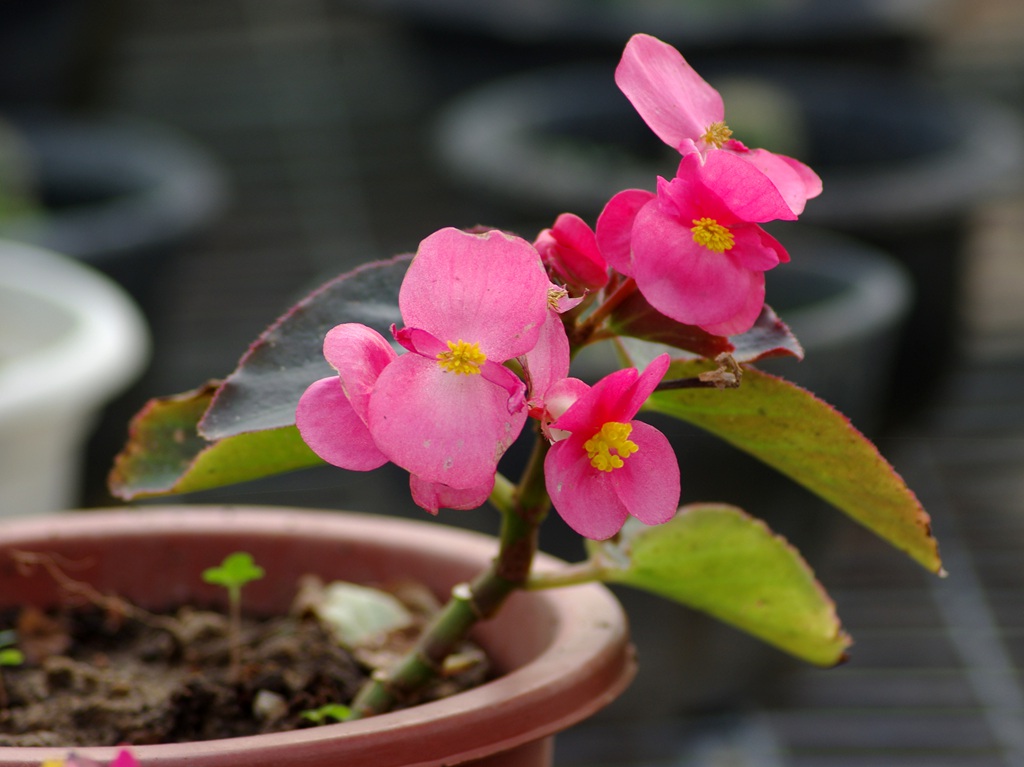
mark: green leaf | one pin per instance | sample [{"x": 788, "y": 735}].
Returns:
[
  {"x": 235, "y": 571},
  {"x": 808, "y": 440},
  {"x": 10, "y": 656},
  {"x": 165, "y": 453},
  {"x": 264, "y": 389},
  {"x": 719, "y": 560},
  {"x": 243, "y": 428},
  {"x": 328, "y": 712}
]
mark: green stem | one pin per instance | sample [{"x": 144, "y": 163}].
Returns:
[
  {"x": 469, "y": 602},
  {"x": 587, "y": 571},
  {"x": 235, "y": 630}
]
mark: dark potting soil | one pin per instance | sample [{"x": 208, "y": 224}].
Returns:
[{"x": 93, "y": 678}]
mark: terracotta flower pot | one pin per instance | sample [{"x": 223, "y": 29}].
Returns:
[{"x": 564, "y": 654}]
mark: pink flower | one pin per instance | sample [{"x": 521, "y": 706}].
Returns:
[
  {"x": 604, "y": 466},
  {"x": 569, "y": 249},
  {"x": 694, "y": 248},
  {"x": 688, "y": 114},
  {"x": 448, "y": 409}
]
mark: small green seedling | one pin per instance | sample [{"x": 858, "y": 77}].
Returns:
[
  {"x": 9, "y": 656},
  {"x": 327, "y": 713},
  {"x": 234, "y": 572}
]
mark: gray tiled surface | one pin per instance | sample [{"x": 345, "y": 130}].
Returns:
[{"x": 318, "y": 116}]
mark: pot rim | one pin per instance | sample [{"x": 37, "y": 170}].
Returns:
[{"x": 588, "y": 662}]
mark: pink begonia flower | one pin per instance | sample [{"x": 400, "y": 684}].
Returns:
[
  {"x": 688, "y": 114},
  {"x": 569, "y": 249},
  {"x": 694, "y": 248},
  {"x": 605, "y": 466},
  {"x": 332, "y": 413},
  {"x": 447, "y": 410}
]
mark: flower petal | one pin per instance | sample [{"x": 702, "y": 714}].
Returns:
[
  {"x": 796, "y": 182},
  {"x": 675, "y": 102},
  {"x": 744, "y": 319},
  {"x": 570, "y": 248},
  {"x": 582, "y": 495},
  {"x": 615, "y": 228},
  {"x": 548, "y": 361},
  {"x": 332, "y": 429},
  {"x": 749, "y": 194},
  {"x": 487, "y": 288},
  {"x": 648, "y": 482},
  {"x": 442, "y": 426},
  {"x": 433, "y": 496},
  {"x": 684, "y": 280},
  {"x": 616, "y": 397},
  {"x": 358, "y": 353}
]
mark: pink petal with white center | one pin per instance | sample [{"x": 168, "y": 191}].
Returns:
[
  {"x": 488, "y": 288},
  {"x": 433, "y": 496},
  {"x": 442, "y": 426},
  {"x": 358, "y": 353},
  {"x": 559, "y": 397},
  {"x": 675, "y": 102},
  {"x": 615, "y": 228},
  {"x": 563, "y": 395},
  {"x": 333, "y": 430}
]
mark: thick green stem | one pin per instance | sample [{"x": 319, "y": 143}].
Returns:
[{"x": 469, "y": 602}]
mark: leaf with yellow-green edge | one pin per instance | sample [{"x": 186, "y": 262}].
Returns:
[
  {"x": 717, "y": 559},
  {"x": 808, "y": 440},
  {"x": 165, "y": 454}
]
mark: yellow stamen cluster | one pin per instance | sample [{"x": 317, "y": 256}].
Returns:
[
  {"x": 613, "y": 436},
  {"x": 717, "y": 134},
  {"x": 556, "y": 294},
  {"x": 462, "y": 358},
  {"x": 712, "y": 235}
]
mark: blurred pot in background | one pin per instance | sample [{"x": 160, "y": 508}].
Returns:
[
  {"x": 118, "y": 194},
  {"x": 71, "y": 340}
]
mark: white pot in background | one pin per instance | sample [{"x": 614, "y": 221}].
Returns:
[{"x": 70, "y": 341}]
